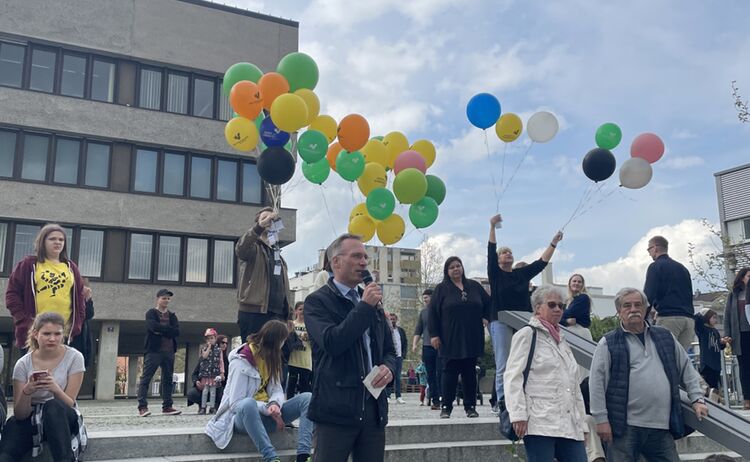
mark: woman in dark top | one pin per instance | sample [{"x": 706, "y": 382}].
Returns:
[
  {"x": 459, "y": 311},
  {"x": 577, "y": 315},
  {"x": 711, "y": 345},
  {"x": 737, "y": 329}
]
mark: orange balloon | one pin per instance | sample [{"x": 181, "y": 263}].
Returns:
[
  {"x": 333, "y": 152},
  {"x": 246, "y": 99},
  {"x": 353, "y": 132},
  {"x": 272, "y": 85}
]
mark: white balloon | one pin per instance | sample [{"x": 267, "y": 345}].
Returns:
[
  {"x": 635, "y": 173},
  {"x": 542, "y": 126}
]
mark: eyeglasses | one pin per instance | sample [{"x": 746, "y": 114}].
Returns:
[
  {"x": 464, "y": 296},
  {"x": 553, "y": 305},
  {"x": 648, "y": 249}
]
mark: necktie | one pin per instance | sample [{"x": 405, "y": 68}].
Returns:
[{"x": 353, "y": 295}]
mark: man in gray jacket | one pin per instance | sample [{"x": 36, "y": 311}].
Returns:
[
  {"x": 263, "y": 286},
  {"x": 635, "y": 367}
]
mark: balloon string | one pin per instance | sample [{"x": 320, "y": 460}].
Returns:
[
  {"x": 328, "y": 211},
  {"x": 586, "y": 192},
  {"x": 351, "y": 190},
  {"x": 603, "y": 197},
  {"x": 518, "y": 166},
  {"x": 275, "y": 194},
  {"x": 502, "y": 171},
  {"x": 492, "y": 172}
]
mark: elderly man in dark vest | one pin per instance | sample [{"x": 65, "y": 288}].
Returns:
[{"x": 634, "y": 386}]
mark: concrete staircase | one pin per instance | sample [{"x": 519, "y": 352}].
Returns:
[{"x": 431, "y": 440}]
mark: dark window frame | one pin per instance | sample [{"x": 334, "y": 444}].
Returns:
[
  {"x": 209, "y": 261},
  {"x": 165, "y": 90},
  {"x": 191, "y": 107},
  {"x": 157, "y": 173},
  {"x": 77, "y": 229},
  {"x": 90, "y": 77},
  {"x": 7, "y": 265},
  {"x": 180, "y": 266},
  {"x": 238, "y": 165},
  {"x": 79, "y": 170},
  {"x": 31, "y": 47},
  {"x": 20, "y": 148},
  {"x": 16, "y": 153},
  {"x": 211, "y": 178},
  {"x": 162, "y": 95},
  {"x": 128, "y": 251},
  {"x": 212, "y": 252},
  {"x": 87, "y": 69},
  {"x": 160, "y": 180},
  {"x": 26, "y": 57},
  {"x": 84, "y": 160},
  {"x": 241, "y": 184}
]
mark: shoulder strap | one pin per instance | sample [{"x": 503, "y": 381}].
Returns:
[{"x": 531, "y": 356}]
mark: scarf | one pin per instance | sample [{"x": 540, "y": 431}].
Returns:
[{"x": 554, "y": 329}]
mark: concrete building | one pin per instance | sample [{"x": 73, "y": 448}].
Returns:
[
  {"x": 733, "y": 193},
  {"x": 111, "y": 124}
]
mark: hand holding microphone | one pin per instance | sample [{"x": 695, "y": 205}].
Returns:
[{"x": 372, "y": 295}]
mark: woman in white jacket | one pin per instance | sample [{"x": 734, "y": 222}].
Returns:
[
  {"x": 253, "y": 402},
  {"x": 548, "y": 413}
]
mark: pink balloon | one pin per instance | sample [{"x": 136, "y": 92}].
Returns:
[
  {"x": 647, "y": 146},
  {"x": 409, "y": 159}
]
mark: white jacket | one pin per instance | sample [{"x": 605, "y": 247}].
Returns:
[
  {"x": 552, "y": 402},
  {"x": 243, "y": 382}
]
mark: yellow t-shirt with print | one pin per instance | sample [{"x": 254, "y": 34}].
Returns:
[
  {"x": 53, "y": 283},
  {"x": 301, "y": 358},
  {"x": 261, "y": 394}
]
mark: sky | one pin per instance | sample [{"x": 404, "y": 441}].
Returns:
[{"x": 662, "y": 67}]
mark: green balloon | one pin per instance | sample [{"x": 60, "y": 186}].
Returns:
[
  {"x": 350, "y": 165},
  {"x": 300, "y": 71},
  {"x": 379, "y": 138},
  {"x": 316, "y": 172},
  {"x": 238, "y": 72},
  {"x": 312, "y": 146},
  {"x": 409, "y": 186},
  {"x": 608, "y": 136},
  {"x": 435, "y": 189},
  {"x": 424, "y": 212},
  {"x": 380, "y": 203}
]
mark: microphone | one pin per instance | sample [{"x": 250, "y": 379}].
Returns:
[{"x": 367, "y": 280}]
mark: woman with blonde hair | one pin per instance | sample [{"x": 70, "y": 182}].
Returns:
[
  {"x": 46, "y": 282},
  {"x": 46, "y": 382},
  {"x": 577, "y": 314}
]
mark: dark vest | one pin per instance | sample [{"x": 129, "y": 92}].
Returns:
[{"x": 619, "y": 379}]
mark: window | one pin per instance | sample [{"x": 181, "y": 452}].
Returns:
[
  {"x": 3, "y": 240},
  {"x": 174, "y": 174},
  {"x": 145, "y": 171},
  {"x": 7, "y": 153},
  {"x": 73, "y": 80},
  {"x": 197, "y": 260},
  {"x": 226, "y": 180},
  {"x": 251, "y": 184},
  {"x": 169, "y": 259},
  {"x": 408, "y": 292},
  {"x": 746, "y": 226},
  {"x": 69, "y": 248},
  {"x": 23, "y": 243},
  {"x": 200, "y": 177},
  {"x": 97, "y": 165},
  {"x": 223, "y": 262},
  {"x": 203, "y": 98},
  {"x": 90, "y": 252},
  {"x": 103, "y": 81},
  {"x": 149, "y": 96},
  {"x": 34, "y": 165},
  {"x": 42, "y": 70},
  {"x": 225, "y": 109},
  {"x": 11, "y": 64},
  {"x": 177, "y": 93},
  {"x": 141, "y": 248},
  {"x": 66, "y": 161}
]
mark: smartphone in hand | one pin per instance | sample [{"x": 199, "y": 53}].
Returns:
[{"x": 37, "y": 375}]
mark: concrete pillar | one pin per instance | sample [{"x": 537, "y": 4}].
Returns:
[
  {"x": 106, "y": 367},
  {"x": 133, "y": 375},
  {"x": 547, "y": 276}
]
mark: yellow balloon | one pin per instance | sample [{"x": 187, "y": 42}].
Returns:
[
  {"x": 509, "y": 127},
  {"x": 311, "y": 101},
  {"x": 326, "y": 125},
  {"x": 362, "y": 226},
  {"x": 391, "y": 230},
  {"x": 241, "y": 134},
  {"x": 396, "y": 143},
  {"x": 359, "y": 210},
  {"x": 375, "y": 151},
  {"x": 373, "y": 177},
  {"x": 289, "y": 112},
  {"x": 426, "y": 149}
]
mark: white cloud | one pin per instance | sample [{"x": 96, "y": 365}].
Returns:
[
  {"x": 346, "y": 15},
  {"x": 469, "y": 249},
  {"x": 684, "y": 134},
  {"x": 681, "y": 162}
]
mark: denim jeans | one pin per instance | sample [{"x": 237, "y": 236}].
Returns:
[
  {"x": 396, "y": 382},
  {"x": 501, "y": 335},
  {"x": 654, "y": 444},
  {"x": 547, "y": 448},
  {"x": 249, "y": 420},
  {"x": 430, "y": 358}
]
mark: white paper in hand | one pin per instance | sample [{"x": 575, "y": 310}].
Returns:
[{"x": 374, "y": 391}]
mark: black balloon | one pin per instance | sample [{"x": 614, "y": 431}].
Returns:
[
  {"x": 276, "y": 165},
  {"x": 599, "y": 164}
]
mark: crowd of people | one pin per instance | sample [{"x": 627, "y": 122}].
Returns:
[{"x": 334, "y": 360}]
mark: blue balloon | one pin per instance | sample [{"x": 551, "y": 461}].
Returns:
[
  {"x": 271, "y": 135},
  {"x": 483, "y": 110}
]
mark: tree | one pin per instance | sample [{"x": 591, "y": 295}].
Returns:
[
  {"x": 431, "y": 265},
  {"x": 600, "y": 326},
  {"x": 742, "y": 106},
  {"x": 714, "y": 267}
]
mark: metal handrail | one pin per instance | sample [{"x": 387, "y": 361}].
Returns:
[{"x": 722, "y": 425}]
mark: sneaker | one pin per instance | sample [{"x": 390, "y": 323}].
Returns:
[
  {"x": 435, "y": 407},
  {"x": 144, "y": 412},
  {"x": 201, "y": 411},
  {"x": 445, "y": 414},
  {"x": 496, "y": 409},
  {"x": 172, "y": 411},
  {"x": 471, "y": 413},
  {"x": 400, "y": 401},
  {"x": 212, "y": 410},
  {"x": 304, "y": 458},
  {"x": 421, "y": 403}
]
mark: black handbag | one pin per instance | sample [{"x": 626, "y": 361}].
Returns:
[{"x": 506, "y": 426}]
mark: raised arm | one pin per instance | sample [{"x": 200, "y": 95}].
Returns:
[
  {"x": 493, "y": 222},
  {"x": 550, "y": 250}
]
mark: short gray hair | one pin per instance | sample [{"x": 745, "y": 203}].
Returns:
[
  {"x": 541, "y": 294},
  {"x": 334, "y": 249},
  {"x": 624, "y": 292}
]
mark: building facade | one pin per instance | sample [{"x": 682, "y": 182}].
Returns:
[
  {"x": 112, "y": 124},
  {"x": 733, "y": 193}
]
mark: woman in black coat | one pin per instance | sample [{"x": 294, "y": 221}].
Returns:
[
  {"x": 737, "y": 329},
  {"x": 459, "y": 311}
]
